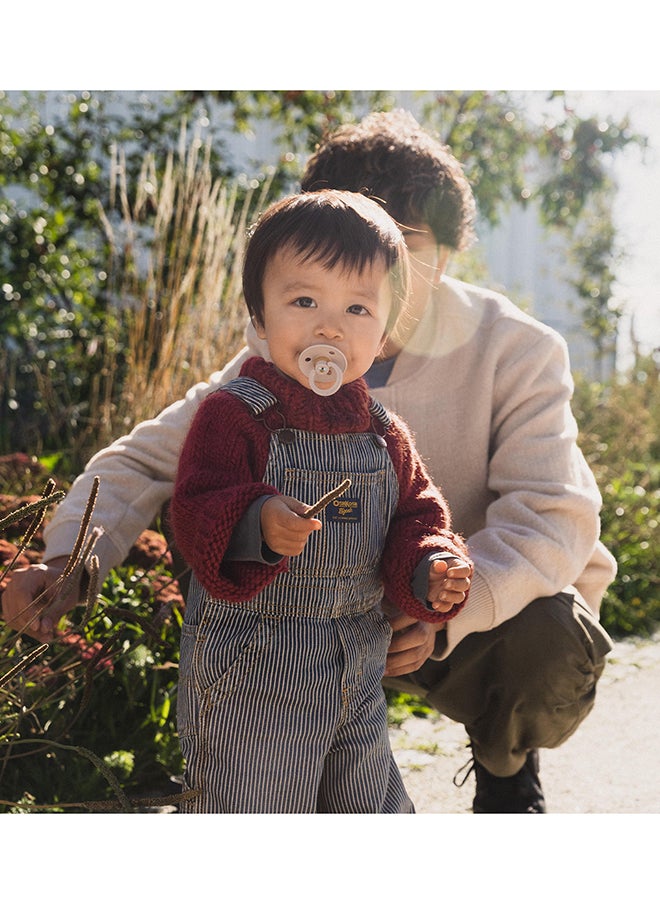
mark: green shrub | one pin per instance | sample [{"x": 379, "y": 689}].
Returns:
[
  {"x": 90, "y": 717},
  {"x": 106, "y": 688},
  {"x": 630, "y": 530},
  {"x": 620, "y": 436}
]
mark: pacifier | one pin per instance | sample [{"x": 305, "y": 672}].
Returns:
[{"x": 324, "y": 367}]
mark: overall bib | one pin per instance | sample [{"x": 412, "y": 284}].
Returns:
[{"x": 281, "y": 707}]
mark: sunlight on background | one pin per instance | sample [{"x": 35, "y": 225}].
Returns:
[{"x": 637, "y": 214}]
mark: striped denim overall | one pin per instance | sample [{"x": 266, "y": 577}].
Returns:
[{"x": 281, "y": 708}]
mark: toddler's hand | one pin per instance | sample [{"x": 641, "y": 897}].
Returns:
[
  {"x": 283, "y": 530},
  {"x": 449, "y": 582}
]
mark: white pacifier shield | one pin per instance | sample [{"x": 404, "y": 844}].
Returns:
[{"x": 324, "y": 367}]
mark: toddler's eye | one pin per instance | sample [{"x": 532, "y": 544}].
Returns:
[
  {"x": 357, "y": 309},
  {"x": 305, "y": 302}
]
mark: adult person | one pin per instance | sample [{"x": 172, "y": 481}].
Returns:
[{"x": 486, "y": 390}]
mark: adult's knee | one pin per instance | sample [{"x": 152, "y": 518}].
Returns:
[
  {"x": 556, "y": 648},
  {"x": 549, "y": 660},
  {"x": 527, "y": 683}
]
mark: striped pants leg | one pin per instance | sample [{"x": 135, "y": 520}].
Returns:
[{"x": 286, "y": 715}]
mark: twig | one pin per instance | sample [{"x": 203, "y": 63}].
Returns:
[
  {"x": 25, "y": 661},
  {"x": 82, "y": 532},
  {"x": 75, "y": 562},
  {"x": 92, "y": 590},
  {"x": 38, "y": 508},
  {"x": 108, "y": 806},
  {"x": 327, "y": 499},
  {"x": 47, "y": 498},
  {"x": 105, "y": 771},
  {"x": 70, "y": 577}
]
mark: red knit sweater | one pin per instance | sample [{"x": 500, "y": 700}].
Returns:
[{"x": 221, "y": 468}]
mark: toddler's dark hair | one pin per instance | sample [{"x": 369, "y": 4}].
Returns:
[{"x": 337, "y": 229}]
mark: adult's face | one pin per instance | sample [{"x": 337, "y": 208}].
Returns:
[{"x": 428, "y": 262}]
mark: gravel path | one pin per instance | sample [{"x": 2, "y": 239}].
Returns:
[{"x": 610, "y": 765}]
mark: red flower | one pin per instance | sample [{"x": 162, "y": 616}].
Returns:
[{"x": 95, "y": 654}]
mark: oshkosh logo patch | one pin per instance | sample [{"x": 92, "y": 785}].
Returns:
[{"x": 343, "y": 509}]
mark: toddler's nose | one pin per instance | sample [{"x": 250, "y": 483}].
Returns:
[{"x": 328, "y": 329}]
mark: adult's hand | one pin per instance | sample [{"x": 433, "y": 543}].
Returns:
[
  {"x": 30, "y": 603},
  {"x": 411, "y": 645}
]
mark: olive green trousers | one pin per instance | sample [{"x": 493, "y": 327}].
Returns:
[{"x": 525, "y": 684}]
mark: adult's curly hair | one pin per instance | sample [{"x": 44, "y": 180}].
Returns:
[{"x": 388, "y": 156}]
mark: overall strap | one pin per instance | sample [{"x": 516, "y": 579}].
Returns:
[
  {"x": 256, "y": 397},
  {"x": 379, "y": 413},
  {"x": 259, "y": 399}
]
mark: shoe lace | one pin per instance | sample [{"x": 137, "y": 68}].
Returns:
[{"x": 464, "y": 773}]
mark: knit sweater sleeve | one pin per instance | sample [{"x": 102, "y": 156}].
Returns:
[
  {"x": 216, "y": 483},
  {"x": 420, "y": 527}
]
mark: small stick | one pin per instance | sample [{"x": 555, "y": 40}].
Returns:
[
  {"x": 25, "y": 661},
  {"x": 327, "y": 499}
]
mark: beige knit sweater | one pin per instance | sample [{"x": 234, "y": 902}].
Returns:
[{"x": 486, "y": 391}]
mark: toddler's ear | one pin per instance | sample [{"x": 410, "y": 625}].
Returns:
[{"x": 258, "y": 328}]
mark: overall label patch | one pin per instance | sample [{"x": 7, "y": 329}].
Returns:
[{"x": 344, "y": 509}]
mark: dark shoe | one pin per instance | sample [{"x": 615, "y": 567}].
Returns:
[{"x": 519, "y": 793}]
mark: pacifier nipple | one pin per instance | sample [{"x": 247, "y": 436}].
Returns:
[{"x": 324, "y": 367}]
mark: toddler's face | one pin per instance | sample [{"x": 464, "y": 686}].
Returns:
[{"x": 306, "y": 303}]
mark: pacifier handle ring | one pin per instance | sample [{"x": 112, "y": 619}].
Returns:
[{"x": 319, "y": 360}]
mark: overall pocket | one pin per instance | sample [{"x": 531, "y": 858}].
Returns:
[
  {"x": 354, "y": 525},
  {"x": 215, "y": 656}
]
